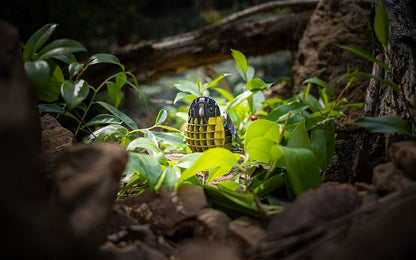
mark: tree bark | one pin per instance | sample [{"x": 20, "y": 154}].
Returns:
[{"x": 381, "y": 100}]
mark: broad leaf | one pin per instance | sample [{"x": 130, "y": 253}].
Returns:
[
  {"x": 218, "y": 160},
  {"x": 52, "y": 108},
  {"x": 320, "y": 82},
  {"x": 262, "y": 128},
  {"x": 74, "y": 94},
  {"x": 224, "y": 93},
  {"x": 38, "y": 72},
  {"x": 161, "y": 117},
  {"x": 323, "y": 144},
  {"x": 170, "y": 138},
  {"x": 104, "y": 58},
  {"x": 188, "y": 87},
  {"x": 240, "y": 60},
  {"x": 172, "y": 175},
  {"x": 113, "y": 132},
  {"x": 188, "y": 160},
  {"x": 302, "y": 169},
  {"x": 74, "y": 68},
  {"x": 60, "y": 47},
  {"x": 147, "y": 166},
  {"x": 103, "y": 119},
  {"x": 115, "y": 93},
  {"x": 143, "y": 143},
  {"x": 184, "y": 95},
  {"x": 385, "y": 124},
  {"x": 256, "y": 84},
  {"x": 273, "y": 183},
  {"x": 299, "y": 137},
  {"x": 126, "y": 119},
  {"x": 381, "y": 24},
  {"x": 281, "y": 111},
  {"x": 37, "y": 40},
  {"x": 240, "y": 98},
  {"x": 214, "y": 81}
]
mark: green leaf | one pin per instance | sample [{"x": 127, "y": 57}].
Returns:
[
  {"x": 250, "y": 73},
  {"x": 259, "y": 149},
  {"x": 240, "y": 98},
  {"x": 161, "y": 117},
  {"x": 59, "y": 47},
  {"x": 362, "y": 74},
  {"x": 257, "y": 101},
  {"x": 262, "y": 128},
  {"x": 229, "y": 185},
  {"x": 385, "y": 124},
  {"x": 280, "y": 112},
  {"x": 37, "y": 40},
  {"x": 188, "y": 160},
  {"x": 323, "y": 144},
  {"x": 104, "y": 58},
  {"x": 74, "y": 94},
  {"x": 273, "y": 183},
  {"x": 299, "y": 137},
  {"x": 214, "y": 81},
  {"x": 184, "y": 95},
  {"x": 170, "y": 138},
  {"x": 188, "y": 87},
  {"x": 173, "y": 173},
  {"x": 302, "y": 169},
  {"x": 114, "y": 132},
  {"x": 256, "y": 84},
  {"x": 74, "y": 68},
  {"x": 143, "y": 143},
  {"x": 320, "y": 82},
  {"x": 37, "y": 71},
  {"x": 240, "y": 60},
  {"x": 126, "y": 119},
  {"x": 362, "y": 53},
  {"x": 58, "y": 75},
  {"x": 147, "y": 166},
  {"x": 52, "y": 108},
  {"x": 103, "y": 119},
  {"x": 115, "y": 93},
  {"x": 218, "y": 160},
  {"x": 381, "y": 24},
  {"x": 224, "y": 93},
  {"x": 234, "y": 204}
]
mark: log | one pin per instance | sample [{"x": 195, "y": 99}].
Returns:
[{"x": 153, "y": 59}]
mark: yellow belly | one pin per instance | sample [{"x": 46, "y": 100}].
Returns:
[{"x": 200, "y": 136}]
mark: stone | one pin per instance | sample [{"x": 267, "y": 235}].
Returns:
[
  {"x": 345, "y": 21},
  {"x": 55, "y": 141},
  {"x": 212, "y": 224},
  {"x": 169, "y": 214},
  {"x": 387, "y": 178},
  {"x": 247, "y": 231},
  {"x": 86, "y": 184},
  {"x": 312, "y": 209},
  {"x": 403, "y": 156},
  {"x": 207, "y": 250}
]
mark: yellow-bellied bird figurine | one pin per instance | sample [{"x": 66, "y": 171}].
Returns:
[{"x": 208, "y": 127}]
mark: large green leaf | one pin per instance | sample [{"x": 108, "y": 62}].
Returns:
[
  {"x": 366, "y": 55},
  {"x": 173, "y": 173},
  {"x": 52, "y": 108},
  {"x": 37, "y": 40},
  {"x": 115, "y": 93},
  {"x": 256, "y": 84},
  {"x": 320, "y": 82},
  {"x": 299, "y": 137},
  {"x": 323, "y": 144},
  {"x": 147, "y": 166},
  {"x": 262, "y": 128},
  {"x": 188, "y": 87},
  {"x": 302, "y": 169},
  {"x": 188, "y": 160},
  {"x": 59, "y": 47},
  {"x": 104, "y": 58},
  {"x": 113, "y": 132},
  {"x": 385, "y": 124},
  {"x": 74, "y": 94},
  {"x": 259, "y": 149},
  {"x": 218, "y": 160},
  {"x": 240, "y": 98},
  {"x": 271, "y": 184},
  {"x": 281, "y": 111},
  {"x": 38, "y": 72},
  {"x": 224, "y": 93},
  {"x": 214, "y": 81},
  {"x": 143, "y": 143},
  {"x": 103, "y": 119},
  {"x": 126, "y": 119},
  {"x": 240, "y": 60},
  {"x": 381, "y": 24},
  {"x": 170, "y": 138}
]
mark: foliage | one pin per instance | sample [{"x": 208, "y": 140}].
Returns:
[
  {"x": 69, "y": 96},
  {"x": 383, "y": 124}
]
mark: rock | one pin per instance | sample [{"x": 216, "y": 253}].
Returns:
[
  {"x": 314, "y": 208},
  {"x": 207, "y": 250},
  {"x": 133, "y": 251},
  {"x": 247, "y": 231},
  {"x": 86, "y": 184},
  {"x": 387, "y": 178},
  {"x": 403, "y": 155},
  {"x": 318, "y": 55},
  {"x": 55, "y": 141},
  {"x": 212, "y": 224},
  {"x": 169, "y": 214}
]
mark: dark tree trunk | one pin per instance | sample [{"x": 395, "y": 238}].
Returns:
[{"x": 380, "y": 99}]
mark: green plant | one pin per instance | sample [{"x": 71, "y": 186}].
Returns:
[
  {"x": 68, "y": 96},
  {"x": 383, "y": 124}
]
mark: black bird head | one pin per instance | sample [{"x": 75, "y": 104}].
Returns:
[{"x": 203, "y": 107}]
